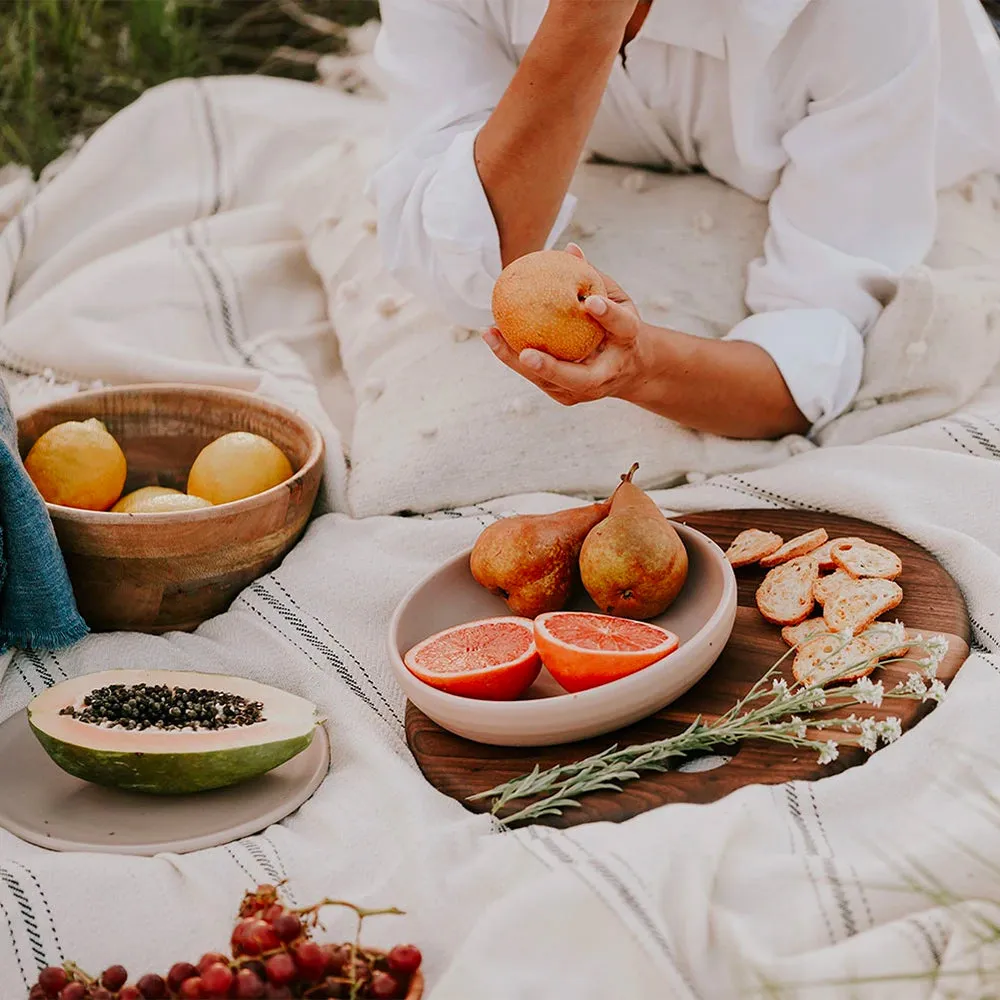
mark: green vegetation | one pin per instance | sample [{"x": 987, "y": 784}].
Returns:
[{"x": 66, "y": 66}]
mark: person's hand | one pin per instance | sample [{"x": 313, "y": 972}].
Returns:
[{"x": 616, "y": 367}]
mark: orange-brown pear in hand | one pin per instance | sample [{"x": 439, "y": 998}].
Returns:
[
  {"x": 633, "y": 563},
  {"x": 532, "y": 560}
]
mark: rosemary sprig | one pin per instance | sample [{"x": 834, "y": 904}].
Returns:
[{"x": 777, "y": 712}]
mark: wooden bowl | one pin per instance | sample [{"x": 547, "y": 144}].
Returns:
[{"x": 170, "y": 572}]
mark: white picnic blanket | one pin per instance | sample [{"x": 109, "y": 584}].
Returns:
[{"x": 161, "y": 251}]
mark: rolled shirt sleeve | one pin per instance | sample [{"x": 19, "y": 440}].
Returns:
[
  {"x": 446, "y": 69},
  {"x": 856, "y": 203}
]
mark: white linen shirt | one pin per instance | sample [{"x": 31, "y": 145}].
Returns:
[{"x": 847, "y": 115}]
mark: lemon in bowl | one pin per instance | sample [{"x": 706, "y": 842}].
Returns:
[
  {"x": 157, "y": 500},
  {"x": 78, "y": 464},
  {"x": 237, "y": 465}
]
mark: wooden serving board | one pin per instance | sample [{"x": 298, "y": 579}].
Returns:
[{"x": 932, "y": 603}]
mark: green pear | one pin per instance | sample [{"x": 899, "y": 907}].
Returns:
[{"x": 633, "y": 563}]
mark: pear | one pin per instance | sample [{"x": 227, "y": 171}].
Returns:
[
  {"x": 633, "y": 564},
  {"x": 532, "y": 560}
]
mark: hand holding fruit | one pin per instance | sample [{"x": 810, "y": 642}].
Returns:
[{"x": 595, "y": 343}]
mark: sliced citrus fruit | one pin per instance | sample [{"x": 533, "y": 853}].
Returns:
[
  {"x": 584, "y": 650},
  {"x": 494, "y": 659}
]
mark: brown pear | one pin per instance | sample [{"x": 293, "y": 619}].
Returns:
[
  {"x": 633, "y": 564},
  {"x": 532, "y": 560}
]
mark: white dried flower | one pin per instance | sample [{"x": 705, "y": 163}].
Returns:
[
  {"x": 829, "y": 753},
  {"x": 867, "y": 693},
  {"x": 914, "y": 684},
  {"x": 813, "y": 698},
  {"x": 889, "y": 729},
  {"x": 935, "y": 692},
  {"x": 800, "y": 727},
  {"x": 869, "y": 736},
  {"x": 779, "y": 687}
]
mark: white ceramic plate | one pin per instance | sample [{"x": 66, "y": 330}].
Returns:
[
  {"x": 41, "y": 803},
  {"x": 702, "y": 617}
]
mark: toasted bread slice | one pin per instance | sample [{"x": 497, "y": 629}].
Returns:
[
  {"x": 866, "y": 559},
  {"x": 823, "y": 557},
  {"x": 785, "y": 596},
  {"x": 883, "y": 633},
  {"x": 829, "y": 658},
  {"x": 826, "y": 586},
  {"x": 751, "y": 546},
  {"x": 811, "y": 628},
  {"x": 800, "y": 546},
  {"x": 856, "y": 604}
]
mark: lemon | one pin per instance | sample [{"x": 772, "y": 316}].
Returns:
[
  {"x": 157, "y": 500},
  {"x": 237, "y": 465},
  {"x": 78, "y": 464}
]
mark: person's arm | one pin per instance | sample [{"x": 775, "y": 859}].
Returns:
[
  {"x": 856, "y": 205},
  {"x": 727, "y": 388},
  {"x": 527, "y": 151},
  {"x": 447, "y": 65}
]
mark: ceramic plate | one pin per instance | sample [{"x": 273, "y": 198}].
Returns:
[
  {"x": 41, "y": 803},
  {"x": 702, "y": 617}
]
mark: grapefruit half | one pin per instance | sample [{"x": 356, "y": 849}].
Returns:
[
  {"x": 494, "y": 659},
  {"x": 584, "y": 650}
]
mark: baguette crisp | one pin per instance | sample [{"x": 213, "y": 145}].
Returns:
[
  {"x": 799, "y": 546},
  {"x": 857, "y": 604},
  {"x": 866, "y": 559},
  {"x": 751, "y": 546},
  {"x": 785, "y": 597}
]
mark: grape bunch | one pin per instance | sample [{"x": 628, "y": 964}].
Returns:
[{"x": 274, "y": 957}]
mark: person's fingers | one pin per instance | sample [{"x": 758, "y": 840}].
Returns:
[
  {"x": 619, "y": 321},
  {"x": 575, "y": 250},
  {"x": 502, "y": 350},
  {"x": 576, "y": 380}
]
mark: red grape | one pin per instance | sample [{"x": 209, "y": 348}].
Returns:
[
  {"x": 129, "y": 993},
  {"x": 114, "y": 978},
  {"x": 210, "y": 958},
  {"x": 185, "y": 970},
  {"x": 248, "y": 985},
  {"x": 37, "y": 993},
  {"x": 272, "y": 912},
  {"x": 310, "y": 960},
  {"x": 216, "y": 980},
  {"x": 191, "y": 989},
  {"x": 73, "y": 991},
  {"x": 52, "y": 980},
  {"x": 272, "y": 992},
  {"x": 337, "y": 956},
  {"x": 287, "y": 926},
  {"x": 280, "y": 968},
  {"x": 256, "y": 966},
  {"x": 240, "y": 940},
  {"x": 100, "y": 993},
  {"x": 405, "y": 958},
  {"x": 383, "y": 986},
  {"x": 152, "y": 987}
]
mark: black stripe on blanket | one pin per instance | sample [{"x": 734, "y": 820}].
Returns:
[
  {"x": 799, "y": 820},
  {"x": 28, "y": 921},
  {"x": 226, "y": 305},
  {"x": 324, "y": 649},
  {"x": 57, "y": 944},
  {"x": 596, "y": 872},
  {"x": 215, "y": 150},
  {"x": 41, "y": 670},
  {"x": 273, "y": 605},
  {"x": 13, "y": 943},
  {"x": 980, "y": 437}
]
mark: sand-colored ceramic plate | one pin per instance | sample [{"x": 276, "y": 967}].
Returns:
[
  {"x": 702, "y": 616},
  {"x": 41, "y": 803}
]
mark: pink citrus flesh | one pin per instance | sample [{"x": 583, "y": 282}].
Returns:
[
  {"x": 583, "y": 650},
  {"x": 494, "y": 659}
]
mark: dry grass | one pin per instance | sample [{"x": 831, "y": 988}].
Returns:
[{"x": 66, "y": 66}]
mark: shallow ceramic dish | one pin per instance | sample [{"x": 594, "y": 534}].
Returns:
[
  {"x": 702, "y": 617},
  {"x": 42, "y": 804},
  {"x": 164, "y": 572}
]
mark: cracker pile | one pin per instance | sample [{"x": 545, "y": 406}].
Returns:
[{"x": 851, "y": 579}]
